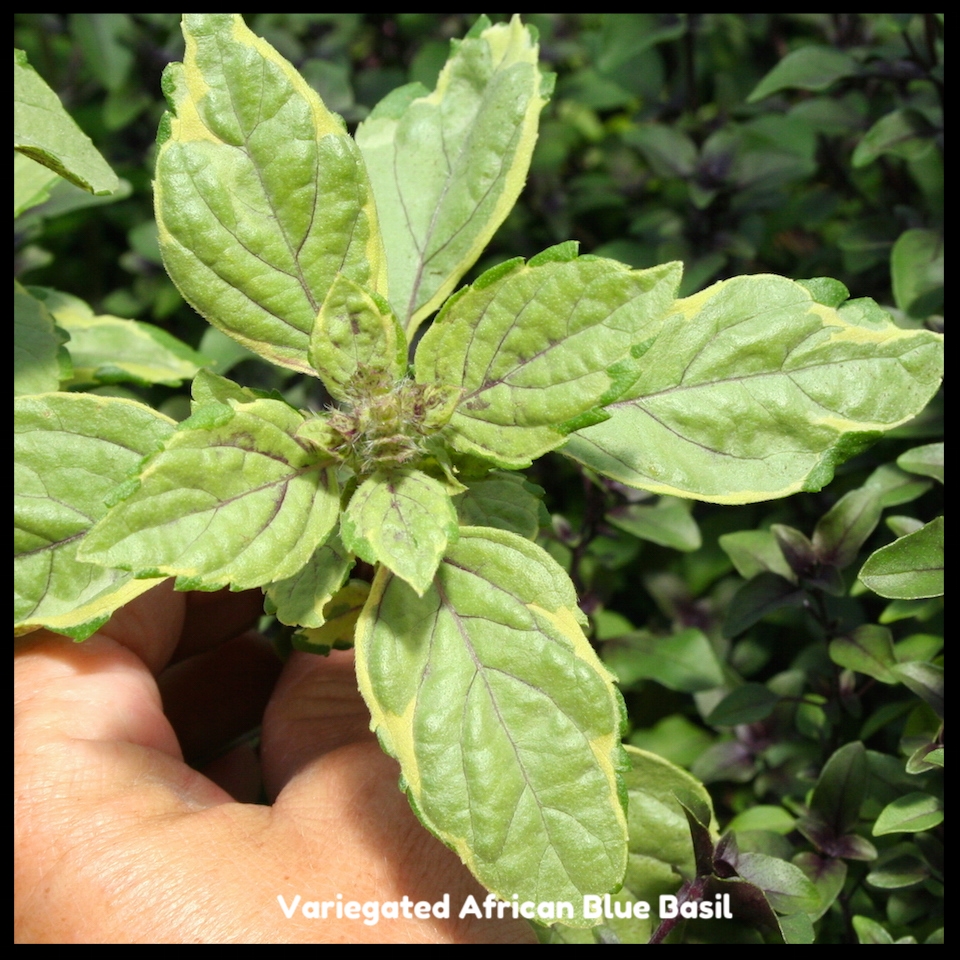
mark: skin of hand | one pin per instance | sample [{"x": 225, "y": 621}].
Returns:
[{"x": 118, "y": 840}]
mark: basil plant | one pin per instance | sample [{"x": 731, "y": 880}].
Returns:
[{"x": 325, "y": 253}]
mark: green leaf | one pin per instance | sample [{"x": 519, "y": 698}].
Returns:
[
  {"x": 659, "y": 790},
  {"x": 909, "y": 568},
  {"x": 447, "y": 167},
  {"x": 506, "y": 726},
  {"x": 899, "y": 870},
  {"x": 851, "y": 846},
  {"x": 404, "y": 520},
  {"x": 928, "y": 756},
  {"x": 749, "y": 905},
  {"x": 905, "y": 133},
  {"x": 300, "y": 600},
  {"x": 921, "y": 610},
  {"x": 208, "y": 387},
  {"x": 809, "y": 68},
  {"x": 900, "y": 526},
  {"x": 768, "y": 153},
  {"x": 668, "y": 150},
  {"x": 786, "y": 887},
  {"x": 44, "y": 131},
  {"x": 841, "y": 788},
  {"x": 106, "y": 349},
  {"x": 925, "y": 680},
  {"x": 766, "y": 817},
  {"x": 827, "y": 874},
  {"x": 796, "y": 548},
  {"x": 796, "y": 928},
  {"x": 869, "y": 931},
  {"x": 926, "y": 460},
  {"x": 539, "y": 346},
  {"x": 826, "y": 290},
  {"x": 224, "y": 352},
  {"x": 754, "y": 391},
  {"x": 507, "y": 501},
  {"x": 868, "y": 650},
  {"x": 232, "y": 499},
  {"x": 70, "y": 451},
  {"x": 106, "y": 40},
  {"x": 625, "y": 37},
  {"x": 32, "y": 183},
  {"x": 845, "y": 527},
  {"x": 811, "y": 718},
  {"x": 889, "y": 777},
  {"x": 748, "y": 703},
  {"x": 909, "y": 814},
  {"x": 755, "y": 551},
  {"x": 757, "y": 598},
  {"x": 669, "y": 523},
  {"x": 675, "y": 738},
  {"x": 355, "y": 337},
  {"x": 340, "y": 616},
  {"x": 683, "y": 661},
  {"x": 659, "y": 845},
  {"x": 65, "y": 198},
  {"x": 918, "y": 646},
  {"x": 895, "y": 487},
  {"x": 934, "y": 758},
  {"x": 39, "y": 360},
  {"x": 916, "y": 269},
  {"x": 261, "y": 196}
]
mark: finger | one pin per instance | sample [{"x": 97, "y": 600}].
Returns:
[
  {"x": 150, "y": 625},
  {"x": 316, "y": 708},
  {"x": 98, "y": 705}
]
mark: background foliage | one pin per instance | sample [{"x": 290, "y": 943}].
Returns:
[{"x": 806, "y": 698}]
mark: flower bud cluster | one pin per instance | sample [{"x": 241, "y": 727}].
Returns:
[{"x": 385, "y": 423}]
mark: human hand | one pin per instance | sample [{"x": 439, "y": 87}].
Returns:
[{"x": 118, "y": 840}]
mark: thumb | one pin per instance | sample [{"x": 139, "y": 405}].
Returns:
[{"x": 316, "y": 708}]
